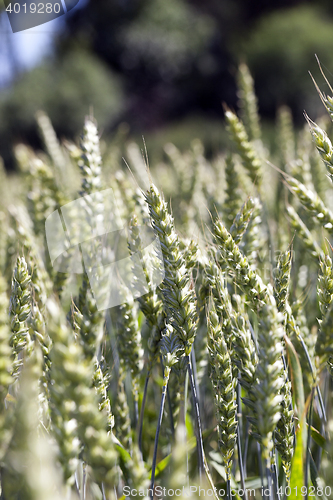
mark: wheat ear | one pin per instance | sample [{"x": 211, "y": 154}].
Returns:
[
  {"x": 6, "y": 378},
  {"x": 250, "y": 159},
  {"x": 304, "y": 233},
  {"x": 312, "y": 203},
  {"x": 232, "y": 202},
  {"x": 248, "y": 102},
  {"x": 224, "y": 385},
  {"x": 19, "y": 312}
]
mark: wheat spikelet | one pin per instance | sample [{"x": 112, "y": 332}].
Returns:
[
  {"x": 19, "y": 312},
  {"x": 323, "y": 145},
  {"x": 248, "y": 102},
  {"x": 286, "y": 136},
  {"x": 249, "y": 157},
  {"x": 304, "y": 233},
  {"x": 244, "y": 353},
  {"x": 325, "y": 284},
  {"x": 73, "y": 393},
  {"x": 324, "y": 343},
  {"x": 30, "y": 471},
  {"x": 242, "y": 219},
  {"x": 121, "y": 413},
  {"x": 50, "y": 140},
  {"x": 150, "y": 303},
  {"x": 129, "y": 342},
  {"x": 6, "y": 378},
  {"x": 264, "y": 396},
  {"x": 312, "y": 203},
  {"x": 215, "y": 282},
  {"x": 247, "y": 279},
  {"x": 3, "y": 241},
  {"x": 232, "y": 202},
  {"x": 282, "y": 279},
  {"x": 100, "y": 382},
  {"x": 253, "y": 241},
  {"x": 90, "y": 161},
  {"x": 284, "y": 435}
]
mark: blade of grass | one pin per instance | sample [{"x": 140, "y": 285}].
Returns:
[{"x": 158, "y": 428}]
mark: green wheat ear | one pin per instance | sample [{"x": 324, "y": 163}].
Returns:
[
  {"x": 325, "y": 284},
  {"x": 50, "y": 140},
  {"x": 312, "y": 203},
  {"x": 88, "y": 319},
  {"x": 254, "y": 240},
  {"x": 19, "y": 312},
  {"x": 242, "y": 220},
  {"x": 249, "y": 157},
  {"x": 229, "y": 255},
  {"x": 76, "y": 404},
  {"x": 304, "y": 233},
  {"x": 323, "y": 145},
  {"x": 224, "y": 385},
  {"x": 122, "y": 413},
  {"x": 244, "y": 350},
  {"x": 264, "y": 399},
  {"x": 282, "y": 280},
  {"x": 179, "y": 297},
  {"x": 6, "y": 378},
  {"x": 30, "y": 470},
  {"x": 324, "y": 343},
  {"x": 284, "y": 432},
  {"x": 149, "y": 303},
  {"x": 100, "y": 382},
  {"x": 4, "y": 238},
  {"x": 129, "y": 343},
  {"x": 286, "y": 136},
  {"x": 264, "y": 396},
  {"x": 91, "y": 160},
  {"x": 233, "y": 199}
]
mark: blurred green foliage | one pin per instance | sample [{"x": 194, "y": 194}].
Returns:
[
  {"x": 66, "y": 89},
  {"x": 280, "y": 51},
  {"x": 156, "y": 64},
  {"x": 168, "y": 35}
]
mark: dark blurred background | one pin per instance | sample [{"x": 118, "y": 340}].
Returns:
[{"x": 161, "y": 68}]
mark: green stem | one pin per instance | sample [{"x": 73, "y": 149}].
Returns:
[
  {"x": 246, "y": 446},
  {"x": 275, "y": 479},
  {"x": 142, "y": 411},
  {"x": 172, "y": 425},
  {"x": 228, "y": 490},
  {"x": 269, "y": 482},
  {"x": 158, "y": 428},
  {"x": 261, "y": 472},
  {"x": 200, "y": 448}
]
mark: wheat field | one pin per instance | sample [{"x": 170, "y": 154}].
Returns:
[{"x": 209, "y": 371}]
